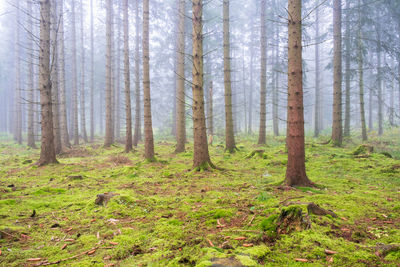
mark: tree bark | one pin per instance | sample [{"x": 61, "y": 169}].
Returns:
[
  {"x": 229, "y": 134},
  {"x": 347, "y": 117},
  {"x": 47, "y": 153},
  {"x": 180, "y": 95},
  {"x": 201, "y": 157},
  {"x": 109, "y": 134},
  {"x": 317, "y": 102},
  {"x": 275, "y": 97},
  {"x": 148, "y": 128},
  {"x": 65, "y": 143},
  {"x": 380, "y": 95},
  {"x": 55, "y": 78},
  {"x": 296, "y": 171},
  {"x": 17, "y": 121},
  {"x": 83, "y": 102},
  {"x": 75, "y": 121},
  {"x": 263, "y": 83},
  {"x": 31, "y": 99},
  {"x": 91, "y": 74},
  {"x": 128, "y": 109},
  {"x": 337, "y": 74},
  {"x": 137, "y": 134},
  {"x": 361, "y": 75},
  {"x": 249, "y": 128},
  {"x": 118, "y": 77},
  {"x": 210, "y": 118}
]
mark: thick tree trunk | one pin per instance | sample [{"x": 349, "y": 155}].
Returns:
[
  {"x": 83, "y": 102},
  {"x": 65, "y": 143},
  {"x": 47, "y": 153},
  {"x": 201, "y": 157},
  {"x": 348, "y": 72},
  {"x": 91, "y": 74},
  {"x": 75, "y": 121},
  {"x": 361, "y": 75},
  {"x": 337, "y": 74},
  {"x": 229, "y": 134},
  {"x": 138, "y": 132},
  {"x": 296, "y": 171},
  {"x": 263, "y": 83},
  {"x": 128, "y": 109},
  {"x": 31, "y": 99},
  {"x": 180, "y": 90},
  {"x": 55, "y": 78},
  {"x": 109, "y": 134},
  {"x": 148, "y": 128},
  {"x": 317, "y": 102}
]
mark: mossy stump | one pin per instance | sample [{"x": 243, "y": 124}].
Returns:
[
  {"x": 363, "y": 150},
  {"x": 292, "y": 219},
  {"x": 258, "y": 152}
]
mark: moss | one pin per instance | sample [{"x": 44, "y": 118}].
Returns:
[
  {"x": 363, "y": 150},
  {"x": 49, "y": 191},
  {"x": 220, "y": 213},
  {"x": 246, "y": 260}
]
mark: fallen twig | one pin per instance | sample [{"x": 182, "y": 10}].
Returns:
[{"x": 251, "y": 220}]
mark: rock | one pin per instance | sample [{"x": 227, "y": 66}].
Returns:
[
  {"x": 313, "y": 208},
  {"x": 292, "y": 219}
]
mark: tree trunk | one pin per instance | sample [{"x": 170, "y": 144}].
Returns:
[
  {"x": 348, "y": 74},
  {"x": 361, "y": 75},
  {"x": 74, "y": 78},
  {"x": 128, "y": 109},
  {"x": 91, "y": 74},
  {"x": 337, "y": 73},
  {"x": 55, "y": 78},
  {"x": 31, "y": 99},
  {"x": 63, "y": 99},
  {"x": 210, "y": 118},
  {"x": 148, "y": 128},
  {"x": 249, "y": 127},
  {"x": 263, "y": 89},
  {"x": 296, "y": 171},
  {"x": 117, "y": 88},
  {"x": 380, "y": 95},
  {"x": 83, "y": 102},
  {"x": 180, "y": 95},
  {"x": 275, "y": 97},
  {"x": 244, "y": 91},
  {"x": 229, "y": 134},
  {"x": 137, "y": 134},
  {"x": 17, "y": 121},
  {"x": 317, "y": 102},
  {"x": 109, "y": 134},
  {"x": 47, "y": 153},
  {"x": 201, "y": 157},
  {"x": 391, "y": 111}
]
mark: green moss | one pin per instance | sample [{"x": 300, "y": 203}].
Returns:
[
  {"x": 49, "y": 191},
  {"x": 220, "y": 213}
]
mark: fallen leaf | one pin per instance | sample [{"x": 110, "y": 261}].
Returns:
[
  {"x": 330, "y": 252},
  {"x": 240, "y": 238},
  {"x": 301, "y": 260},
  {"x": 211, "y": 243},
  {"x": 113, "y": 243},
  {"x": 107, "y": 258},
  {"x": 384, "y": 216},
  {"x": 390, "y": 222},
  {"x": 69, "y": 240},
  {"x": 25, "y": 236},
  {"x": 69, "y": 229},
  {"x": 344, "y": 219},
  {"x": 34, "y": 259},
  {"x": 345, "y": 230},
  {"x": 64, "y": 246},
  {"x": 91, "y": 252},
  {"x": 92, "y": 220},
  {"x": 329, "y": 259},
  {"x": 0, "y": 252},
  {"x": 247, "y": 245}
]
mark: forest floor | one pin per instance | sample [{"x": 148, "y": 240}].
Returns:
[{"x": 167, "y": 215}]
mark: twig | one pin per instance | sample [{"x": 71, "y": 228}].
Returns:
[
  {"x": 251, "y": 220},
  {"x": 241, "y": 230}
]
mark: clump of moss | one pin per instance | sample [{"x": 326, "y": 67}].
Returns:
[
  {"x": 292, "y": 219},
  {"x": 221, "y": 213},
  {"x": 268, "y": 225},
  {"x": 363, "y": 150}
]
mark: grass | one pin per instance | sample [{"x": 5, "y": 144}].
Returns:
[{"x": 168, "y": 215}]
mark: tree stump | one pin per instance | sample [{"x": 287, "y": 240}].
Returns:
[{"x": 292, "y": 219}]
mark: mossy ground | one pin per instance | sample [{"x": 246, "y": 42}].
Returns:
[{"x": 168, "y": 215}]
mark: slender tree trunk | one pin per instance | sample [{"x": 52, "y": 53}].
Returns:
[
  {"x": 128, "y": 108},
  {"x": 91, "y": 74},
  {"x": 137, "y": 134},
  {"x": 31, "y": 99},
  {"x": 275, "y": 97},
  {"x": 263, "y": 89},
  {"x": 47, "y": 153},
  {"x": 180, "y": 95},
  {"x": 18, "y": 90},
  {"x": 361, "y": 75},
  {"x": 391, "y": 111},
  {"x": 148, "y": 128},
  {"x": 317, "y": 102},
  {"x": 109, "y": 134},
  {"x": 380, "y": 95},
  {"x": 229, "y": 134},
  {"x": 74, "y": 78},
  {"x": 337, "y": 73},
  {"x": 54, "y": 78},
  {"x": 63, "y": 99},
  {"x": 370, "y": 108},
  {"x": 244, "y": 92},
  {"x": 249, "y": 128},
  {"x": 201, "y": 157},
  {"x": 296, "y": 171},
  {"x": 83, "y": 102},
  {"x": 117, "y": 88},
  {"x": 210, "y": 113},
  {"x": 348, "y": 72}
]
